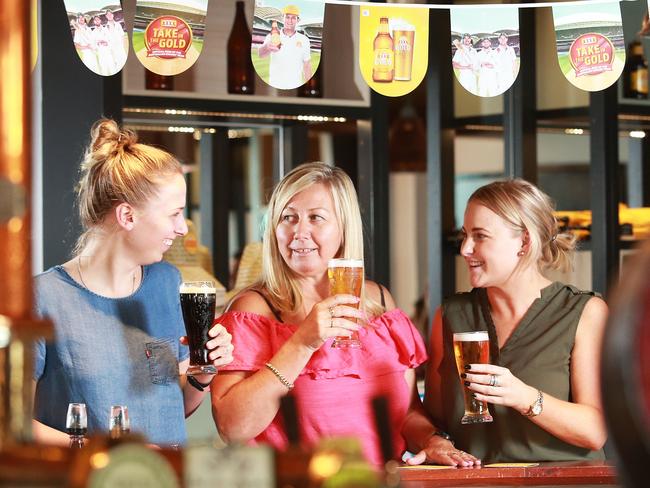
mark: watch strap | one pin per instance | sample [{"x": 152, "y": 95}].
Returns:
[
  {"x": 197, "y": 384},
  {"x": 443, "y": 434}
]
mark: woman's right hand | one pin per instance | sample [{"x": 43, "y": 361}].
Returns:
[
  {"x": 332, "y": 317},
  {"x": 442, "y": 451}
]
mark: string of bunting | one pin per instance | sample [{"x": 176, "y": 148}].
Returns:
[{"x": 286, "y": 41}]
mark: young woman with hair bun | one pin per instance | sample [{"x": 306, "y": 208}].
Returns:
[
  {"x": 542, "y": 386},
  {"x": 115, "y": 305}
]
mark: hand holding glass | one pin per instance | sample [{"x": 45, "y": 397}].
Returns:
[
  {"x": 198, "y": 302},
  {"x": 346, "y": 277},
  {"x": 119, "y": 424},
  {"x": 472, "y": 348}
]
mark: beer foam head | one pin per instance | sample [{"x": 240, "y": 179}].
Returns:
[
  {"x": 401, "y": 24},
  {"x": 198, "y": 287},
  {"x": 481, "y": 335},
  {"x": 345, "y": 263}
]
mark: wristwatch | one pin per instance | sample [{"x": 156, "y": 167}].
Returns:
[
  {"x": 197, "y": 384},
  {"x": 537, "y": 406}
]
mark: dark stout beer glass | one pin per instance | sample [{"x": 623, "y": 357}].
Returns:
[
  {"x": 472, "y": 348},
  {"x": 198, "y": 300},
  {"x": 346, "y": 277}
]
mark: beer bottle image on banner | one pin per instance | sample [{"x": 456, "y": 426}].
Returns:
[
  {"x": 383, "y": 68},
  {"x": 275, "y": 35},
  {"x": 240, "y": 66}
]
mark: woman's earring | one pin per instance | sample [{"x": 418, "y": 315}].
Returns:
[{"x": 521, "y": 253}]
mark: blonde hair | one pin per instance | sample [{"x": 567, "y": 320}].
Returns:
[
  {"x": 278, "y": 281},
  {"x": 117, "y": 169},
  {"x": 528, "y": 209}
]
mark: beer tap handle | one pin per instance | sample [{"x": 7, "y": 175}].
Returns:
[
  {"x": 382, "y": 423},
  {"x": 290, "y": 416}
]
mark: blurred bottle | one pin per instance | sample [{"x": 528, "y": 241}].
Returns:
[
  {"x": 291, "y": 465},
  {"x": 313, "y": 88},
  {"x": 154, "y": 81},
  {"x": 275, "y": 35},
  {"x": 636, "y": 72},
  {"x": 241, "y": 77}
]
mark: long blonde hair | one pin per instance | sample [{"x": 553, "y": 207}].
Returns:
[
  {"x": 277, "y": 280},
  {"x": 117, "y": 169},
  {"x": 528, "y": 209}
]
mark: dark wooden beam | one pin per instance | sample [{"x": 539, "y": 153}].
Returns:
[
  {"x": 604, "y": 180},
  {"x": 520, "y": 107},
  {"x": 440, "y": 161}
]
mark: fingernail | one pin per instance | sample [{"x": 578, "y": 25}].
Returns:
[
  {"x": 468, "y": 366},
  {"x": 467, "y": 383},
  {"x": 463, "y": 375}
]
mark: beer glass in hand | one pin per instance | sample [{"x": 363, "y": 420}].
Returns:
[
  {"x": 198, "y": 301},
  {"x": 346, "y": 277},
  {"x": 76, "y": 424},
  {"x": 472, "y": 348},
  {"x": 119, "y": 424}
]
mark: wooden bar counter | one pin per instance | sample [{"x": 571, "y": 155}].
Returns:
[{"x": 568, "y": 473}]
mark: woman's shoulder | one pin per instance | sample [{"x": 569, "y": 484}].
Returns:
[
  {"x": 252, "y": 301},
  {"x": 379, "y": 294},
  {"x": 52, "y": 279}
]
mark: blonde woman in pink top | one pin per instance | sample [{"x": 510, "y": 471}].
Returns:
[{"x": 283, "y": 328}]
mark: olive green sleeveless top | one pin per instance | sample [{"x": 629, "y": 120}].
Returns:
[{"x": 538, "y": 353}]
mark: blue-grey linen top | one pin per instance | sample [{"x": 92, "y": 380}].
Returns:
[{"x": 112, "y": 351}]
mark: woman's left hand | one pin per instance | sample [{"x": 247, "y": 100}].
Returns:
[
  {"x": 220, "y": 345},
  {"x": 499, "y": 386}
]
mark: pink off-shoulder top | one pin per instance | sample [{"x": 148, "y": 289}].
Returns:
[{"x": 334, "y": 391}]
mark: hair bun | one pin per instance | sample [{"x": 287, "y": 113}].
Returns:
[{"x": 107, "y": 138}]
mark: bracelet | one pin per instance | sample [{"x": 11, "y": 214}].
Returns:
[
  {"x": 443, "y": 434},
  {"x": 197, "y": 384},
  {"x": 280, "y": 376}
]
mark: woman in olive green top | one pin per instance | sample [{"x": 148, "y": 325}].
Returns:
[{"x": 543, "y": 385}]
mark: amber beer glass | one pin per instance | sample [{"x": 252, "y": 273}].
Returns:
[
  {"x": 198, "y": 303},
  {"x": 346, "y": 277},
  {"x": 472, "y": 348},
  {"x": 404, "y": 40}
]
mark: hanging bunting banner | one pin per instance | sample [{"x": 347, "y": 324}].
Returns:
[
  {"x": 98, "y": 34},
  {"x": 393, "y": 48},
  {"x": 485, "y": 49},
  {"x": 168, "y": 36},
  {"x": 590, "y": 44},
  {"x": 287, "y": 41}
]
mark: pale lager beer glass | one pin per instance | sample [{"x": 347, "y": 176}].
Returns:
[
  {"x": 472, "y": 348},
  {"x": 404, "y": 41},
  {"x": 346, "y": 277}
]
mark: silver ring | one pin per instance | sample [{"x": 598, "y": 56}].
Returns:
[
  {"x": 331, "y": 317},
  {"x": 493, "y": 380}
]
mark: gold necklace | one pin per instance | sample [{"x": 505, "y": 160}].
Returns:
[{"x": 81, "y": 276}]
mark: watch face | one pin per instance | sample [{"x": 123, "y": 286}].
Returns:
[{"x": 537, "y": 409}]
